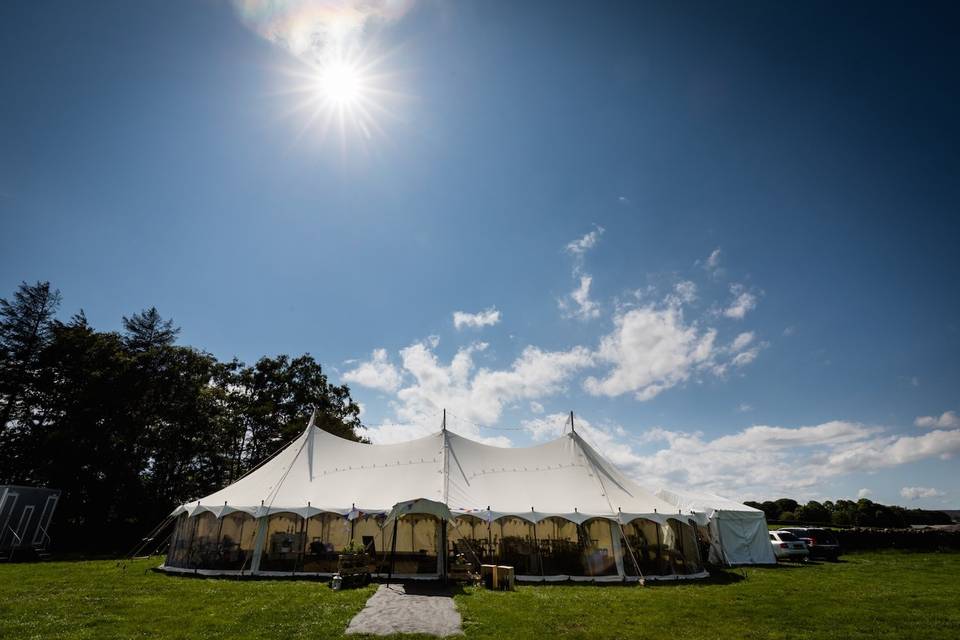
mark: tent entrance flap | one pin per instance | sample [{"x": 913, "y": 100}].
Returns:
[{"x": 419, "y": 506}]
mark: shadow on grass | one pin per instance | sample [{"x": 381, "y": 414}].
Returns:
[
  {"x": 437, "y": 589},
  {"x": 717, "y": 577}
]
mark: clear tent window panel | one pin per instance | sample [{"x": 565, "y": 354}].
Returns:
[
  {"x": 180, "y": 539},
  {"x": 645, "y": 541},
  {"x": 327, "y": 535},
  {"x": 417, "y": 545},
  {"x": 518, "y": 545},
  {"x": 238, "y": 534},
  {"x": 598, "y": 548},
  {"x": 284, "y": 542},
  {"x": 470, "y": 537},
  {"x": 560, "y": 549}
]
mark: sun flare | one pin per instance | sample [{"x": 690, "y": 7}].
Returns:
[
  {"x": 341, "y": 84},
  {"x": 346, "y": 95}
]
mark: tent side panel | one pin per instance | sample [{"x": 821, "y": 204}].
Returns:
[{"x": 745, "y": 540}]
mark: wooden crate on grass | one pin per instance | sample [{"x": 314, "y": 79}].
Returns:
[{"x": 499, "y": 577}]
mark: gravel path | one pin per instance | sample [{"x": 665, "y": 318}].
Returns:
[{"x": 395, "y": 609}]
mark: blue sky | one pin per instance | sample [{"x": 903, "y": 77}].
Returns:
[{"x": 724, "y": 234}]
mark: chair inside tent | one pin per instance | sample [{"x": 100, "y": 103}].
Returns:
[{"x": 556, "y": 511}]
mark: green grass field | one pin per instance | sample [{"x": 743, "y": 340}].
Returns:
[{"x": 869, "y": 595}]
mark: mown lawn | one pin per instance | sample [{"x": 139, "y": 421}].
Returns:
[
  {"x": 869, "y": 595},
  {"x": 99, "y": 599}
]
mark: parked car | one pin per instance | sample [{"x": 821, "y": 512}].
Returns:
[
  {"x": 787, "y": 546},
  {"x": 821, "y": 542}
]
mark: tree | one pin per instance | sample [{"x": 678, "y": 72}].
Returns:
[
  {"x": 130, "y": 424},
  {"x": 787, "y": 504},
  {"x": 771, "y": 510},
  {"x": 24, "y": 332},
  {"x": 147, "y": 330},
  {"x": 275, "y": 398},
  {"x": 813, "y": 512}
]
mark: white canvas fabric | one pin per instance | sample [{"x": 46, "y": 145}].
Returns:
[
  {"x": 446, "y": 477},
  {"x": 738, "y": 533},
  {"x": 319, "y": 472}
]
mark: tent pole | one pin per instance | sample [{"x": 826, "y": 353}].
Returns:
[
  {"x": 536, "y": 543},
  {"x": 616, "y": 537},
  {"x": 353, "y": 520},
  {"x": 446, "y": 461},
  {"x": 659, "y": 548},
  {"x": 258, "y": 544},
  {"x": 489, "y": 536},
  {"x": 240, "y": 544},
  {"x": 303, "y": 541},
  {"x": 442, "y": 556},
  {"x": 220, "y": 533},
  {"x": 393, "y": 548},
  {"x": 696, "y": 540},
  {"x": 193, "y": 542}
]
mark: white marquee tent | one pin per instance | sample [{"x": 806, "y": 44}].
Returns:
[
  {"x": 737, "y": 533},
  {"x": 554, "y": 511}
]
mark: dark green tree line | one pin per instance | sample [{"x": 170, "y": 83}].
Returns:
[
  {"x": 129, "y": 424},
  {"x": 861, "y": 513}
]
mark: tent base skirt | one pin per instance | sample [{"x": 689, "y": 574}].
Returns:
[{"x": 528, "y": 579}]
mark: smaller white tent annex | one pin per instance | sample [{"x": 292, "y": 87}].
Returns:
[{"x": 738, "y": 534}]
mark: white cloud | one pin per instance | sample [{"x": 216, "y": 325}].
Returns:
[
  {"x": 683, "y": 293},
  {"x": 882, "y": 452},
  {"x": 473, "y": 396},
  {"x": 915, "y": 493},
  {"x": 744, "y": 358},
  {"x": 745, "y": 408},
  {"x": 485, "y": 318},
  {"x": 651, "y": 349},
  {"x": 864, "y": 493},
  {"x": 789, "y": 331},
  {"x": 589, "y": 240},
  {"x": 742, "y": 341},
  {"x": 314, "y": 30},
  {"x": 536, "y": 407},
  {"x": 948, "y": 420},
  {"x": 761, "y": 461},
  {"x": 743, "y": 302},
  {"x": 376, "y": 373},
  {"x": 578, "y": 304},
  {"x": 713, "y": 261}
]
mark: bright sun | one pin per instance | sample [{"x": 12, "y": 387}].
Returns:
[
  {"x": 344, "y": 95},
  {"x": 340, "y": 84}
]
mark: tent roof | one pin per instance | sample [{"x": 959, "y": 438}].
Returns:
[
  {"x": 319, "y": 472},
  {"x": 703, "y": 502}
]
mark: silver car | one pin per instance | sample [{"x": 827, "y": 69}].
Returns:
[{"x": 787, "y": 546}]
